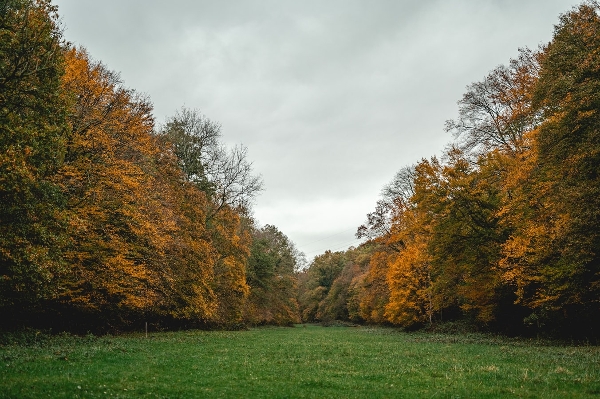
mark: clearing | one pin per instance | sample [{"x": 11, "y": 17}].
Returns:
[{"x": 299, "y": 362}]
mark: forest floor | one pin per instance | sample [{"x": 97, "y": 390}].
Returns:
[{"x": 300, "y": 362}]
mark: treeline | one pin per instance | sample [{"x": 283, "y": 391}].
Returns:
[
  {"x": 106, "y": 220},
  {"x": 503, "y": 230}
]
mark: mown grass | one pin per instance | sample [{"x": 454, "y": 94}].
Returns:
[{"x": 300, "y": 362}]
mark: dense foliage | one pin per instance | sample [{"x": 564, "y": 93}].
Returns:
[{"x": 107, "y": 221}]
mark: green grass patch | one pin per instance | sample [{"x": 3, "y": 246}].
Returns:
[{"x": 300, "y": 362}]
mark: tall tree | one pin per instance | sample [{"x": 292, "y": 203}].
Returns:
[
  {"x": 33, "y": 132},
  {"x": 561, "y": 239},
  {"x": 115, "y": 229}
]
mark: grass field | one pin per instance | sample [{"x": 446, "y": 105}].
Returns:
[{"x": 302, "y": 362}]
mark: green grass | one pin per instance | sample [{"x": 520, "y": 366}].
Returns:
[{"x": 309, "y": 362}]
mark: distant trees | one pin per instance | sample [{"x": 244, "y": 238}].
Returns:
[
  {"x": 321, "y": 274},
  {"x": 271, "y": 275},
  {"x": 333, "y": 286}
]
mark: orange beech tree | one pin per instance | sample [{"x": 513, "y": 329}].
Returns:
[
  {"x": 409, "y": 270},
  {"x": 231, "y": 242},
  {"x": 106, "y": 184},
  {"x": 226, "y": 180}
]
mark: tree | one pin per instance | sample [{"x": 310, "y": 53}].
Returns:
[
  {"x": 554, "y": 256},
  {"x": 409, "y": 280},
  {"x": 33, "y": 131},
  {"x": 385, "y": 227},
  {"x": 231, "y": 242},
  {"x": 271, "y": 275},
  {"x": 115, "y": 224},
  {"x": 496, "y": 112},
  {"x": 138, "y": 241},
  {"x": 193, "y": 138},
  {"x": 225, "y": 175},
  {"x": 374, "y": 289},
  {"x": 395, "y": 196},
  {"x": 466, "y": 235},
  {"x": 316, "y": 281}
]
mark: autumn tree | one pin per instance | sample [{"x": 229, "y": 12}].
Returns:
[
  {"x": 33, "y": 132},
  {"x": 409, "y": 280},
  {"x": 231, "y": 241},
  {"x": 138, "y": 243},
  {"x": 553, "y": 257},
  {"x": 395, "y": 196},
  {"x": 106, "y": 178},
  {"x": 467, "y": 235}
]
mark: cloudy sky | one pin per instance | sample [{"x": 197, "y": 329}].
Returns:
[{"x": 331, "y": 97}]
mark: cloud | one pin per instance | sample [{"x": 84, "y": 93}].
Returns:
[{"x": 331, "y": 98}]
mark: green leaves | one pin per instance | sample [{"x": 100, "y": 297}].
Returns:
[
  {"x": 568, "y": 158},
  {"x": 33, "y": 132},
  {"x": 271, "y": 275}
]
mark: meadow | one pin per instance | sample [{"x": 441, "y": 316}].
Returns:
[{"x": 299, "y": 362}]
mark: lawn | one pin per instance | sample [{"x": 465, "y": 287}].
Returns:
[{"x": 301, "y": 362}]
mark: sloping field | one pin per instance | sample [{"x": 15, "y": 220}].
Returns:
[{"x": 302, "y": 362}]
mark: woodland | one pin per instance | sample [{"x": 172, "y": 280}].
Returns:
[{"x": 109, "y": 220}]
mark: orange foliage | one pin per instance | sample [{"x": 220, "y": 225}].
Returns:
[
  {"x": 138, "y": 240},
  {"x": 375, "y": 290}
]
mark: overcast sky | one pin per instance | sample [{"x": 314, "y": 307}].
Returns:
[{"x": 331, "y": 98}]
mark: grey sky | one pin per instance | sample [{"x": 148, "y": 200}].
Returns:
[{"x": 330, "y": 97}]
